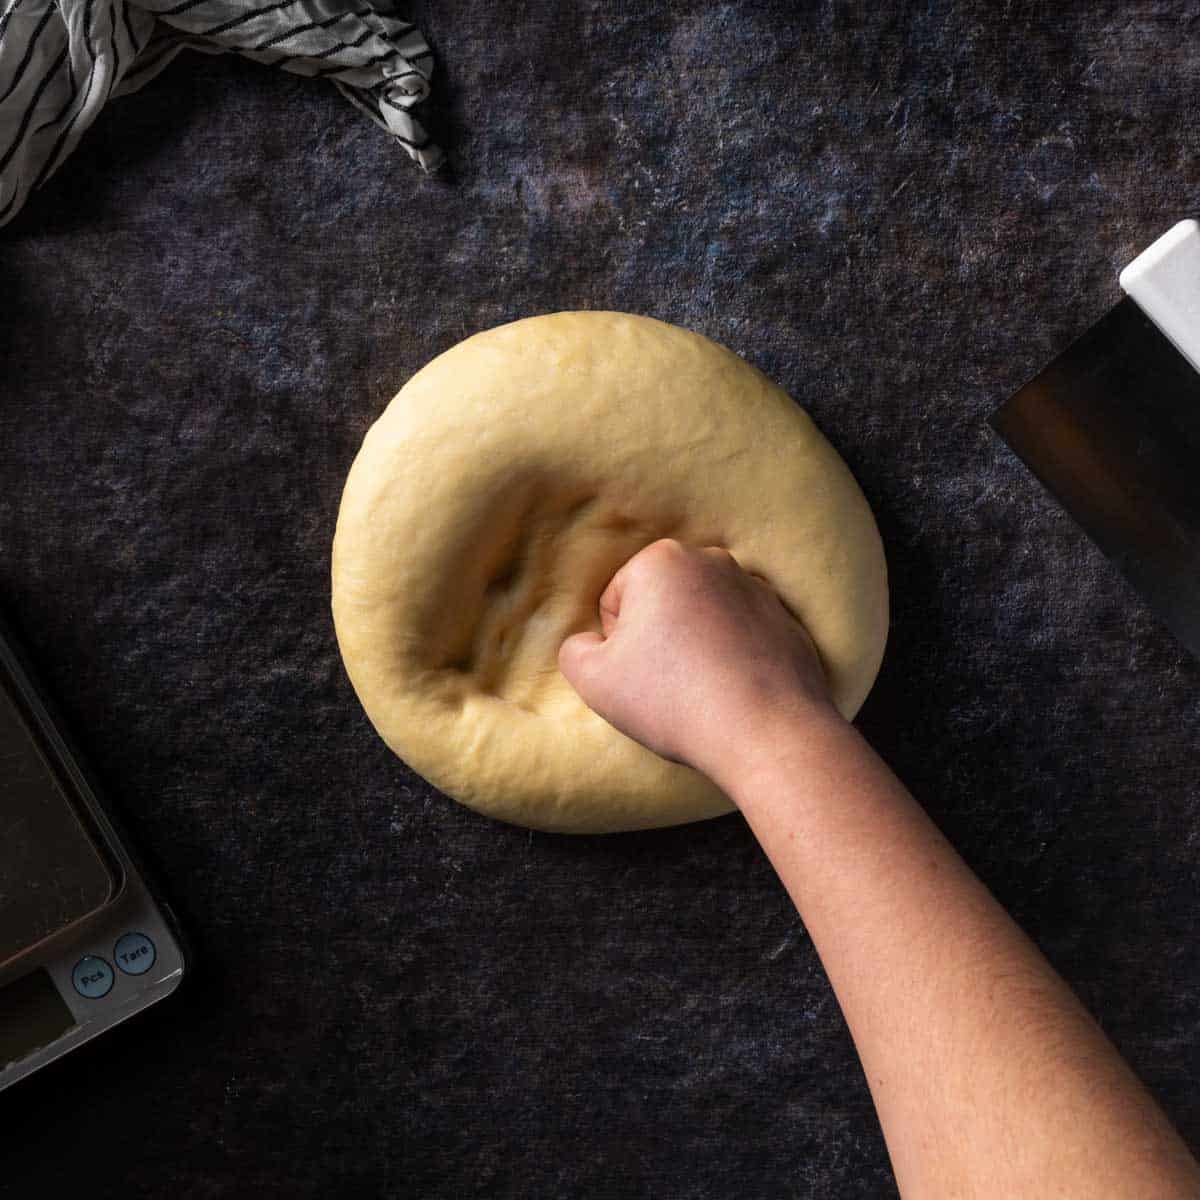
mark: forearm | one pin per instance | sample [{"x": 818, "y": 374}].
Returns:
[{"x": 988, "y": 1076}]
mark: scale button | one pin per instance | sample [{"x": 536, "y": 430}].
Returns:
[
  {"x": 92, "y": 977},
  {"x": 134, "y": 953}
]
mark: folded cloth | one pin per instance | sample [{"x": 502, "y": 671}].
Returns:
[{"x": 61, "y": 60}]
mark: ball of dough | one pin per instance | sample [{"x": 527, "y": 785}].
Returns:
[{"x": 499, "y": 492}]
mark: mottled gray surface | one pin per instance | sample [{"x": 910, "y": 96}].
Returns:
[{"x": 898, "y": 211}]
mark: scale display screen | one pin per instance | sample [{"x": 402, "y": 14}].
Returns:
[{"x": 32, "y": 1015}]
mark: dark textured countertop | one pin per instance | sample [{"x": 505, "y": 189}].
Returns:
[{"x": 900, "y": 212}]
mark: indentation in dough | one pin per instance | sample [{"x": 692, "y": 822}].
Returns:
[
  {"x": 463, "y": 663},
  {"x": 532, "y": 576},
  {"x": 503, "y": 579},
  {"x": 580, "y": 509},
  {"x": 621, "y": 522}
]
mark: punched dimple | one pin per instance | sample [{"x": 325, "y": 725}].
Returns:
[{"x": 540, "y": 582}]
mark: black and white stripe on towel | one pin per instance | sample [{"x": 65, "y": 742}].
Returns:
[{"x": 61, "y": 60}]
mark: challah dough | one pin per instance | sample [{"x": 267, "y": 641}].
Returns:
[{"x": 496, "y": 496}]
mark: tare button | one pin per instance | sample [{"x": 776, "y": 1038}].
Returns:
[
  {"x": 92, "y": 977},
  {"x": 134, "y": 953}
]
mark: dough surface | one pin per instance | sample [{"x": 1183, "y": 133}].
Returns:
[{"x": 494, "y": 499}]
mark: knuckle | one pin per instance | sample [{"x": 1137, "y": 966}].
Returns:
[{"x": 655, "y": 555}]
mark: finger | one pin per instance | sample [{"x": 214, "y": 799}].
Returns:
[
  {"x": 574, "y": 653},
  {"x": 610, "y": 599},
  {"x": 610, "y": 609},
  {"x": 635, "y": 578}
]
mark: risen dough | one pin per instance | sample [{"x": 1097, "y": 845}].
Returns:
[{"x": 498, "y": 493}]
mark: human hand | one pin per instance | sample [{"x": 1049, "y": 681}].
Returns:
[{"x": 696, "y": 656}]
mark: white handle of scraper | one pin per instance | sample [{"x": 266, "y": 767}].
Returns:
[{"x": 1164, "y": 282}]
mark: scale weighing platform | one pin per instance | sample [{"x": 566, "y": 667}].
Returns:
[{"x": 84, "y": 944}]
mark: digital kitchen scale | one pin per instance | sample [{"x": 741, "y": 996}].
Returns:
[{"x": 83, "y": 943}]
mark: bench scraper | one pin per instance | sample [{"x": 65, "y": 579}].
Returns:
[{"x": 1112, "y": 430}]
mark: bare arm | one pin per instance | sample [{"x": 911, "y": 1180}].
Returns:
[{"x": 989, "y": 1077}]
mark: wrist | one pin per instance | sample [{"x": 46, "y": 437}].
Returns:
[{"x": 772, "y": 739}]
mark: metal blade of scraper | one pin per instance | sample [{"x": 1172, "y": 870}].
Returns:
[{"x": 1112, "y": 429}]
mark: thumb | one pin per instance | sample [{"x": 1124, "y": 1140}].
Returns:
[{"x": 575, "y": 656}]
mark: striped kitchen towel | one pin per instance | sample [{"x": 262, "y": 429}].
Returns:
[{"x": 60, "y": 61}]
